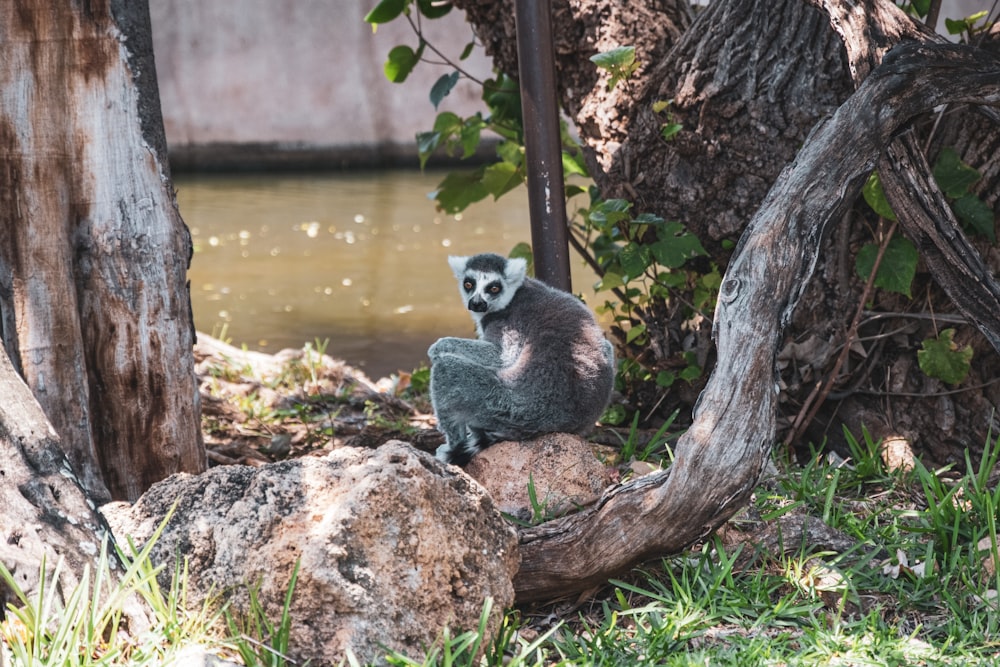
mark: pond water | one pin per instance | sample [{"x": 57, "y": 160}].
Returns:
[{"x": 358, "y": 259}]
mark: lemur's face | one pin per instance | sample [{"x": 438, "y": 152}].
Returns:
[
  {"x": 485, "y": 291},
  {"x": 487, "y": 282}
]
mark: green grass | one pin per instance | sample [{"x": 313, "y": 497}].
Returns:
[
  {"x": 87, "y": 625},
  {"x": 919, "y": 588}
]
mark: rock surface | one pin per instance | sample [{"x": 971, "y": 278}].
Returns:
[
  {"x": 561, "y": 467},
  {"x": 393, "y": 547}
]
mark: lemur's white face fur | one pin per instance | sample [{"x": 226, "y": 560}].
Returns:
[{"x": 487, "y": 282}]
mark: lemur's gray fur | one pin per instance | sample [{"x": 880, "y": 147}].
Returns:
[{"x": 541, "y": 364}]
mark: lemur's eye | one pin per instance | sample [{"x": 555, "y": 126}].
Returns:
[
  {"x": 494, "y": 288},
  {"x": 469, "y": 285}
]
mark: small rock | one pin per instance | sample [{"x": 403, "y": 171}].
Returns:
[{"x": 561, "y": 467}]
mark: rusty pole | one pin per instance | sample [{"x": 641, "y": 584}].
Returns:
[{"x": 542, "y": 143}]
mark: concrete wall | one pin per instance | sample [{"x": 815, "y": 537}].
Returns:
[
  {"x": 239, "y": 79},
  {"x": 251, "y": 83}
]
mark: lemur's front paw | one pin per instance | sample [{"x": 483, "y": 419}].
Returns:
[{"x": 440, "y": 346}]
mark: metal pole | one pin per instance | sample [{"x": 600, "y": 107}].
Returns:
[{"x": 542, "y": 144}]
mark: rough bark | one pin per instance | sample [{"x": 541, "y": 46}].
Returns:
[
  {"x": 975, "y": 136},
  {"x": 719, "y": 460},
  {"x": 923, "y": 213},
  {"x": 748, "y": 80},
  {"x": 929, "y": 222},
  {"x": 94, "y": 305},
  {"x": 45, "y": 514}
]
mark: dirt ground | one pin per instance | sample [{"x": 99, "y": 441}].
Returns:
[{"x": 257, "y": 408}]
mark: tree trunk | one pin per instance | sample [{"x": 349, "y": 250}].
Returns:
[
  {"x": 46, "y": 516},
  {"x": 719, "y": 459},
  {"x": 94, "y": 305}
]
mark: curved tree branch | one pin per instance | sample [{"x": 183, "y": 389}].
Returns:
[{"x": 719, "y": 460}]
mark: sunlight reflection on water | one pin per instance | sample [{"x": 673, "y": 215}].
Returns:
[{"x": 359, "y": 259}]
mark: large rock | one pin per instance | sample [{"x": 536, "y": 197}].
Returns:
[
  {"x": 393, "y": 546},
  {"x": 561, "y": 469}
]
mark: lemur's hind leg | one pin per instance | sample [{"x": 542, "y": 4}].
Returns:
[{"x": 467, "y": 396}]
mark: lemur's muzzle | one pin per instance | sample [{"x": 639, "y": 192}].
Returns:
[{"x": 477, "y": 304}]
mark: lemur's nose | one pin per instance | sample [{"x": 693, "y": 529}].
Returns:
[{"x": 477, "y": 304}]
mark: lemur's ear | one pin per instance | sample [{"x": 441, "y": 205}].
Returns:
[
  {"x": 517, "y": 270},
  {"x": 457, "y": 265}
]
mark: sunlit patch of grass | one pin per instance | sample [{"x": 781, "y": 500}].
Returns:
[{"x": 118, "y": 614}]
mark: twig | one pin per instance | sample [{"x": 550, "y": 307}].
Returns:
[
  {"x": 932, "y": 15},
  {"x": 822, "y": 390},
  {"x": 447, "y": 60},
  {"x": 591, "y": 262},
  {"x": 924, "y": 394},
  {"x": 872, "y": 316}
]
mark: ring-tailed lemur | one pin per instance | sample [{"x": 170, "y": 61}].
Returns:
[{"x": 541, "y": 364}]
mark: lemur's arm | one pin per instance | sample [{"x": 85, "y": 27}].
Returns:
[{"x": 480, "y": 351}]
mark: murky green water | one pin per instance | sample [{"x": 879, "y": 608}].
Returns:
[{"x": 359, "y": 259}]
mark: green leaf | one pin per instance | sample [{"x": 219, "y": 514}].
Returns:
[
  {"x": 619, "y": 61},
  {"x": 675, "y": 246},
  {"x": 608, "y": 213},
  {"x": 442, "y": 87},
  {"x": 402, "y": 60},
  {"x": 523, "y": 251},
  {"x": 614, "y": 415},
  {"x": 957, "y": 27},
  {"x": 647, "y": 219},
  {"x": 954, "y": 26},
  {"x": 921, "y": 7},
  {"x": 446, "y": 125},
  {"x": 467, "y": 51},
  {"x": 385, "y": 11},
  {"x": 503, "y": 97},
  {"x": 952, "y": 175},
  {"x": 434, "y": 9},
  {"x": 940, "y": 358},
  {"x": 669, "y": 130},
  {"x": 976, "y": 215},
  {"x": 572, "y": 166},
  {"x": 665, "y": 378},
  {"x": 609, "y": 281},
  {"x": 459, "y": 189},
  {"x": 501, "y": 177},
  {"x": 899, "y": 265},
  {"x": 673, "y": 279},
  {"x": 511, "y": 151},
  {"x": 469, "y": 135},
  {"x": 427, "y": 143},
  {"x": 875, "y": 196},
  {"x": 634, "y": 260},
  {"x": 635, "y": 332},
  {"x": 622, "y": 57},
  {"x": 691, "y": 372}
]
